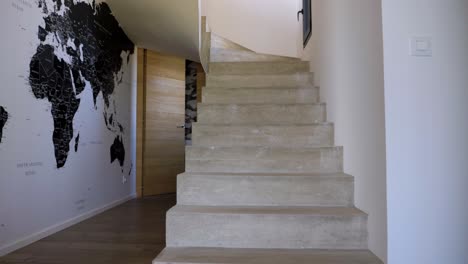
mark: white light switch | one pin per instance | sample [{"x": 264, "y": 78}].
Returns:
[{"x": 421, "y": 46}]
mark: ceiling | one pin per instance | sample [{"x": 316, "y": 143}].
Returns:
[{"x": 168, "y": 26}]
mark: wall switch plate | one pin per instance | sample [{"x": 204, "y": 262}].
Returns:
[{"x": 421, "y": 46}]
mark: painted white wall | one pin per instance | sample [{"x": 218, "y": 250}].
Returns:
[
  {"x": 346, "y": 54},
  {"x": 426, "y": 102},
  {"x": 167, "y": 26},
  {"x": 40, "y": 200},
  {"x": 263, "y": 26}
]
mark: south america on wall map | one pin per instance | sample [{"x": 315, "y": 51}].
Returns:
[{"x": 93, "y": 42}]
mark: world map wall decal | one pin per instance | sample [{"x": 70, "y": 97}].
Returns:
[
  {"x": 93, "y": 42},
  {"x": 3, "y": 120}
]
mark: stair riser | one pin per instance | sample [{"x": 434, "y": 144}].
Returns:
[
  {"x": 254, "y": 68},
  {"x": 261, "y": 114},
  {"x": 269, "y": 136},
  {"x": 217, "y": 42},
  {"x": 235, "y": 81},
  {"x": 260, "y": 95},
  {"x": 227, "y": 55},
  {"x": 281, "y": 190},
  {"x": 266, "y": 231},
  {"x": 261, "y": 160}
]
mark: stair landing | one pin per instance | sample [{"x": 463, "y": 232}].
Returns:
[{"x": 264, "y": 256}]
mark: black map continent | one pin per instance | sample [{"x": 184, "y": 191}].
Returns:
[
  {"x": 91, "y": 36},
  {"x": 117, "y": 151},
  {"x": 3, "y": 120},
  {"x": 77, "y": 142}
]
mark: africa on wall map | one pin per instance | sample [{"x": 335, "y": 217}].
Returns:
[{"x": 93, "y": 40}]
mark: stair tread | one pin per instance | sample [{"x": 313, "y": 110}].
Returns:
[
  {"x": 258, "y": 62},
  {"x": 258, "y": 89},
  {"x": 273, "y": 75},
  {"x": 264, "y": 125},
  {"x": 260, "y": 80},
  {"x": 255, "y": 174},
  {"x": 262, "y": 104},
  {"x": 244, "y": 49},
  {"x": 217, "y": 51},
  {"x": 266, "y": 148},
  {"x": 258, "y": 67},
  {"x": 270, "y": 210},
  {"x": 264, "y": 256},
  {"x": 254, "y": 152}
]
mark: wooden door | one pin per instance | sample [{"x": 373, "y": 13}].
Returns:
[{"x": 163, "y": 144}]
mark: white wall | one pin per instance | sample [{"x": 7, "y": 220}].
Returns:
[
  {"x": 263, "y": 26},
  {"x": 38, "y": 200},
  {"x": 346, "y": 54},
  {"x": 427, "y": 132},
  {"x": 166, "y": 26}
]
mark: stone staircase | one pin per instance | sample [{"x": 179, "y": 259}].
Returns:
[{"x": 264, "y": 182}]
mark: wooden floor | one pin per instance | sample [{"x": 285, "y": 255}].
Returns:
[{"x": 131, "y": 233}]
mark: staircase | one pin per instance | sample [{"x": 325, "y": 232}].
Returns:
[{"x": 264, "y": 182}]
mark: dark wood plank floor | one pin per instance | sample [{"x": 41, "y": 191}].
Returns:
[{"x": 133, "y": 233}]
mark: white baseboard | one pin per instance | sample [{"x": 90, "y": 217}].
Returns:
[{"x": 60, "y": 226}]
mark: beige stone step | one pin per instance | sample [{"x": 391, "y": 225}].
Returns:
[
  {"x": 223, "y": 54},
  {"x": 222, "y": 49},
  {"x": 219, "y": 42},
  {"x": 264, "y": 159},
  {"x": 315, "y": 135},
  {"x": 267, "y": 114},
  {"x": 266, "y": 227},
  {"x": 265, "y": 189},
  {"x": 264, "y": 256},
  {"x": 271, "y": 80},
  {"x": 269, "y": 95},
  {"x": 258, "y": 68}
]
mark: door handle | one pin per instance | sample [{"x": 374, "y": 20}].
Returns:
[
  {"x": 300, "y": 12},
  {"x": 182, "y": 126}
]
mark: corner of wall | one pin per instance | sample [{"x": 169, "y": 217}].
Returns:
[{"x": 347, "y": 58}]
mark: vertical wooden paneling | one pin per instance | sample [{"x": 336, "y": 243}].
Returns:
[{"x": 164, "y": 141}]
